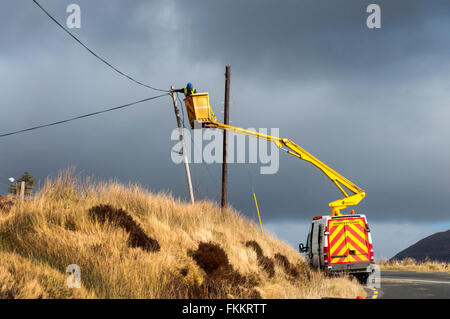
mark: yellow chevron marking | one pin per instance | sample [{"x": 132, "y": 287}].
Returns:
[
  {"x": 335, "y": 232},
  {"x": 361, "y": 256},
  {"x": 358, "y": 245},
  {"x": 336, "y": 245},
  {"x": 359, "y": 232},
  {"x": 357, "y": 242},
  {"x": 343, "y": 250},
  {"x": 375, "y": 293}
]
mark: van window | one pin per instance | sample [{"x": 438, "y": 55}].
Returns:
[
  {"x": 320, "y": 235},
  {"x": 308, "y": 240},
  {"x": 310, "y": 236}
]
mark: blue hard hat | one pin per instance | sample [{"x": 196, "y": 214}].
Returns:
[{"x": 189, "y": 85}]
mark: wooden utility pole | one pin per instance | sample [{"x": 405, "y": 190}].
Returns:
[
  {"x": 225, "y": 138},
  {"x": 183, "y": 146},
  {"x": 22, "y": 191}
]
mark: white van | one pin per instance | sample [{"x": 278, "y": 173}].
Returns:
[{"x": 340, "y": 244}]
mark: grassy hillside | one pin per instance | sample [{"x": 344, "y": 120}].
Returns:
[
  {"x": 130, "y": 243},
  {"x": 411, "y": 264}
]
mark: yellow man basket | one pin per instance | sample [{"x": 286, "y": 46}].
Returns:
[{"x": 198, "y": 108}]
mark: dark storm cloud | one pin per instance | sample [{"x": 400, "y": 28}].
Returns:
[
  {"x": 371, "y": 103},
  {"x": 301, "y": 40}
]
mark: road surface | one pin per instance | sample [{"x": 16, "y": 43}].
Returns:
[{"x": 413, "y": 285}]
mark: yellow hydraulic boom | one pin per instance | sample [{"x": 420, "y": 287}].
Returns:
[{"x": 200, "y": 111}]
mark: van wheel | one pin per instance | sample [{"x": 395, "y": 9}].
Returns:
[{"x": 362, "y": 278}]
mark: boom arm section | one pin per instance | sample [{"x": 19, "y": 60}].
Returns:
[{"x": 290, "y": 147}]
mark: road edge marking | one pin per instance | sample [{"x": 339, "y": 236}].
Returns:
[
  {"x": 375, "y": 293},
  {"x": 372, "y": 293},
  {"x": 415, "y": 280}
]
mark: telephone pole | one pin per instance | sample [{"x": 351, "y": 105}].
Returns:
[
  {"x": 22, "y": 191},
  {"x": 183, "y": 146},
  {"x": 225, "y": 138}
]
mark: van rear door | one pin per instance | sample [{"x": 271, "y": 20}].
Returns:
[
  {"x": 357, "y": 240},
  {"x": 337, "y": 242},
  {"x": 347, "y": 240}
]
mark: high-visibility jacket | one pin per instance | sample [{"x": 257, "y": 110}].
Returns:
[{"x": 188, "y": 92}]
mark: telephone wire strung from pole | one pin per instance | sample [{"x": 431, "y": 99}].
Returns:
[
  {"x": 82, "y": 116},
  {"x": 95, "y": 54}
]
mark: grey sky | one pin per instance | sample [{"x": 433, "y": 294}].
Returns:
[{"x": 373, "y": 104}]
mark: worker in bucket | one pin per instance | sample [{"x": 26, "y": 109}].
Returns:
[{"x": 188, "y": 90}]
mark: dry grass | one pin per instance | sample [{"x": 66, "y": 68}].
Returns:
[
  {"x": 6, "y": 202},
  {"x": 41, "y": 237},
  {"x": 414, "y": 265}
]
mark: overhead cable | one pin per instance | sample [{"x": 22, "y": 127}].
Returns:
[
  {"x": 82, "y": 116},
  {"x": 95, "y": 54}
]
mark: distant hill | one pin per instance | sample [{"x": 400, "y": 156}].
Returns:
[{"x": 435, "y": 247}]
